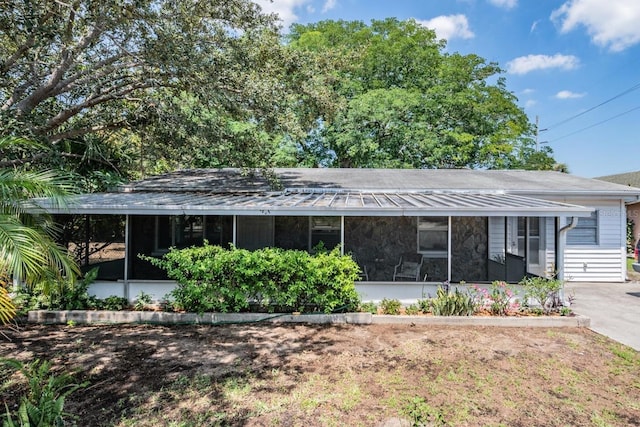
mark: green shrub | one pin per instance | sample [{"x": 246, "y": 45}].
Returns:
[
  {"x": 211, "y": 278},
  {"x": 368, "y": 307},
  {"x": 143, "y": 300},
  {"x": 43, "y": 404},
  {"x": 454, "y": 303},
  {"x": 64, "y": 295},
  {"x": 412, "y": 309},
  {"x": 543, "y": 292},
  {"x": 390, "y": 306},
  {"x": 115, "y": 303},
  {"x": 425, "y": 305}
]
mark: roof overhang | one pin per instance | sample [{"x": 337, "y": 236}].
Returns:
[{"x": 314, "y": 203}]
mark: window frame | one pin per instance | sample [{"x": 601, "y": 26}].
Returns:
[
  {"x": 593, "y": 227},
  {"x": 424, "y": 227},
  {"x": 333, "y": 228}
]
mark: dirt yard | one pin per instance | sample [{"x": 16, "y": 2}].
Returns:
[{"x": 299, "y": 375}]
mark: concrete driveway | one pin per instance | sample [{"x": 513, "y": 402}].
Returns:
[{"x": 614, "y": 309}]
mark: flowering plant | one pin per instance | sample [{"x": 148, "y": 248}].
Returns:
[{"x": 500, "y": 300}]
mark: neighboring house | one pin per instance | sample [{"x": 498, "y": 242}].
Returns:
[
  {"x": 459, "y": 225},
  {"x": 631, "y": 179}
]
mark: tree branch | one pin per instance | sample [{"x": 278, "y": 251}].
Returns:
[
  {"x": 83, "y": 131},
  {"x": 65, "y": 115},
  {"x": 43, "y": 92}
]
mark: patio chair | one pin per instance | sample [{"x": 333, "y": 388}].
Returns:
[
  {"x": 364, "y": 274},
  {"x": 408, "y": 268}
]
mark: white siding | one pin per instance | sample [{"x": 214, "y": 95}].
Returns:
[
  {"x": 496, "y": 237},
  {"x": 606, "y": 261}
]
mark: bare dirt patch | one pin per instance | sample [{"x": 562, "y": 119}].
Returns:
[{"x": 303, "y": 375}]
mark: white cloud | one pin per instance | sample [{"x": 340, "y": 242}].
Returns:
[
  {"x": 528, "y": 91},
  {"x": 534, "y": 26},
  {"x": 567, "y": 94},
  {"x": 526, "y": 64},
  {"x": 449, "y": 27},
  {"x": 285, "y": 9},
  {"x": 328, "y": 5},
  {"x": 507, "y": 4},
  {"x": 610, "y": 23},
  {"x": 530, "y": 103}
]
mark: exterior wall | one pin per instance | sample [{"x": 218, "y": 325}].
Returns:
[
  {"x": 378, "y": 242},
  {"x": 407, "y": 293},
  {"x": 606, "y": 261},
  {"x": 496, "y": 236},
  {"x": 469, "y": 249},
  {"x": 157, "y": 289},
  {"x": 550, "y": 246}
]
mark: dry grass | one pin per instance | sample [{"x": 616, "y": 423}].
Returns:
[{"x": 297, "y": 375}]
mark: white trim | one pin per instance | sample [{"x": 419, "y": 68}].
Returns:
[{"x": 342, "y": 235}]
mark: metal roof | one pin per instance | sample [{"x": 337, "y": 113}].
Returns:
[{"x": 317, "y": 202}]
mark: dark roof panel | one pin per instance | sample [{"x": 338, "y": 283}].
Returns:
[{"x": 513, "y": 181}]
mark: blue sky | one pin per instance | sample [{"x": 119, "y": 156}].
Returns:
[{"x": 561, "y": 58}]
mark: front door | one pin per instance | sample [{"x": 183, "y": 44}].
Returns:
[{"x": 525, "y": 236}]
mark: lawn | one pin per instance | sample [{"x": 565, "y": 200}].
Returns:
[{"x": 302, "y": 375}]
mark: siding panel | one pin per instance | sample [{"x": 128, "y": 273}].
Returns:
[{"x": 606, "y": 261}]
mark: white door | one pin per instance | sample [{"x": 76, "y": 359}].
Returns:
[{"x": 525, "y": 238}]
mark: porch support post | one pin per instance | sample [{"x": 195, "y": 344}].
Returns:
[
  {"x": 87, "y": 231},
  {"x": 127, "y": 242},
  {"x": 342, "y": 235},
  {"x": 235, "y": 230},
  {"x": 449, "y": 251},
  {"x": 506, "y": 245}
]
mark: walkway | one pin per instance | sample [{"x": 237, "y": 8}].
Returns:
[{"x": 614, "y": 309}]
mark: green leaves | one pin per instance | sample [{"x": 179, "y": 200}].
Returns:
[
  {"x": 7, "y": 308},
  {"x": 410, "y": 104},
  {"x": 43, "y": 404},
  {"x": 28, "y": 252},
  {"x": 211, "y": 278}
]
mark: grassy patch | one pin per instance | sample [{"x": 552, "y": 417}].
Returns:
[{"x": 341, "y": 375}]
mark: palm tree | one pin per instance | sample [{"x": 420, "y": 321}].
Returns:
[{"x": 28, "y": 252}]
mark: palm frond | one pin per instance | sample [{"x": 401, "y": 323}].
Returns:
[
  {"x": 18, "y": 189},
  {"x": 7, "y": 308},
  {"x": 30, "y": 255},
  {"x": 17, "y": 141},
  {"x": 28, "y": 251}
]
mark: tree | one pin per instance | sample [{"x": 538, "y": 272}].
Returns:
[
  {"x": 82, "y": 76},
  {"x": 408, "y": 103},
  {"x": 28, "y": 252}
]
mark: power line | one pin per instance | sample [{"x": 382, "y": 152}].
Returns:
[
  {"x": 629, "y": 90},
  {"x": 597, "y": 124}
]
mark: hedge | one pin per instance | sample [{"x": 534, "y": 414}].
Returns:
[{"x": 215, "y": 279}]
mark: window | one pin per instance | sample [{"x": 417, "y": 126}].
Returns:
[
  {"x": 586, "y": 232},
  {"x": 325, "y": 229},
  {"x": 433, "y": 236}
]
